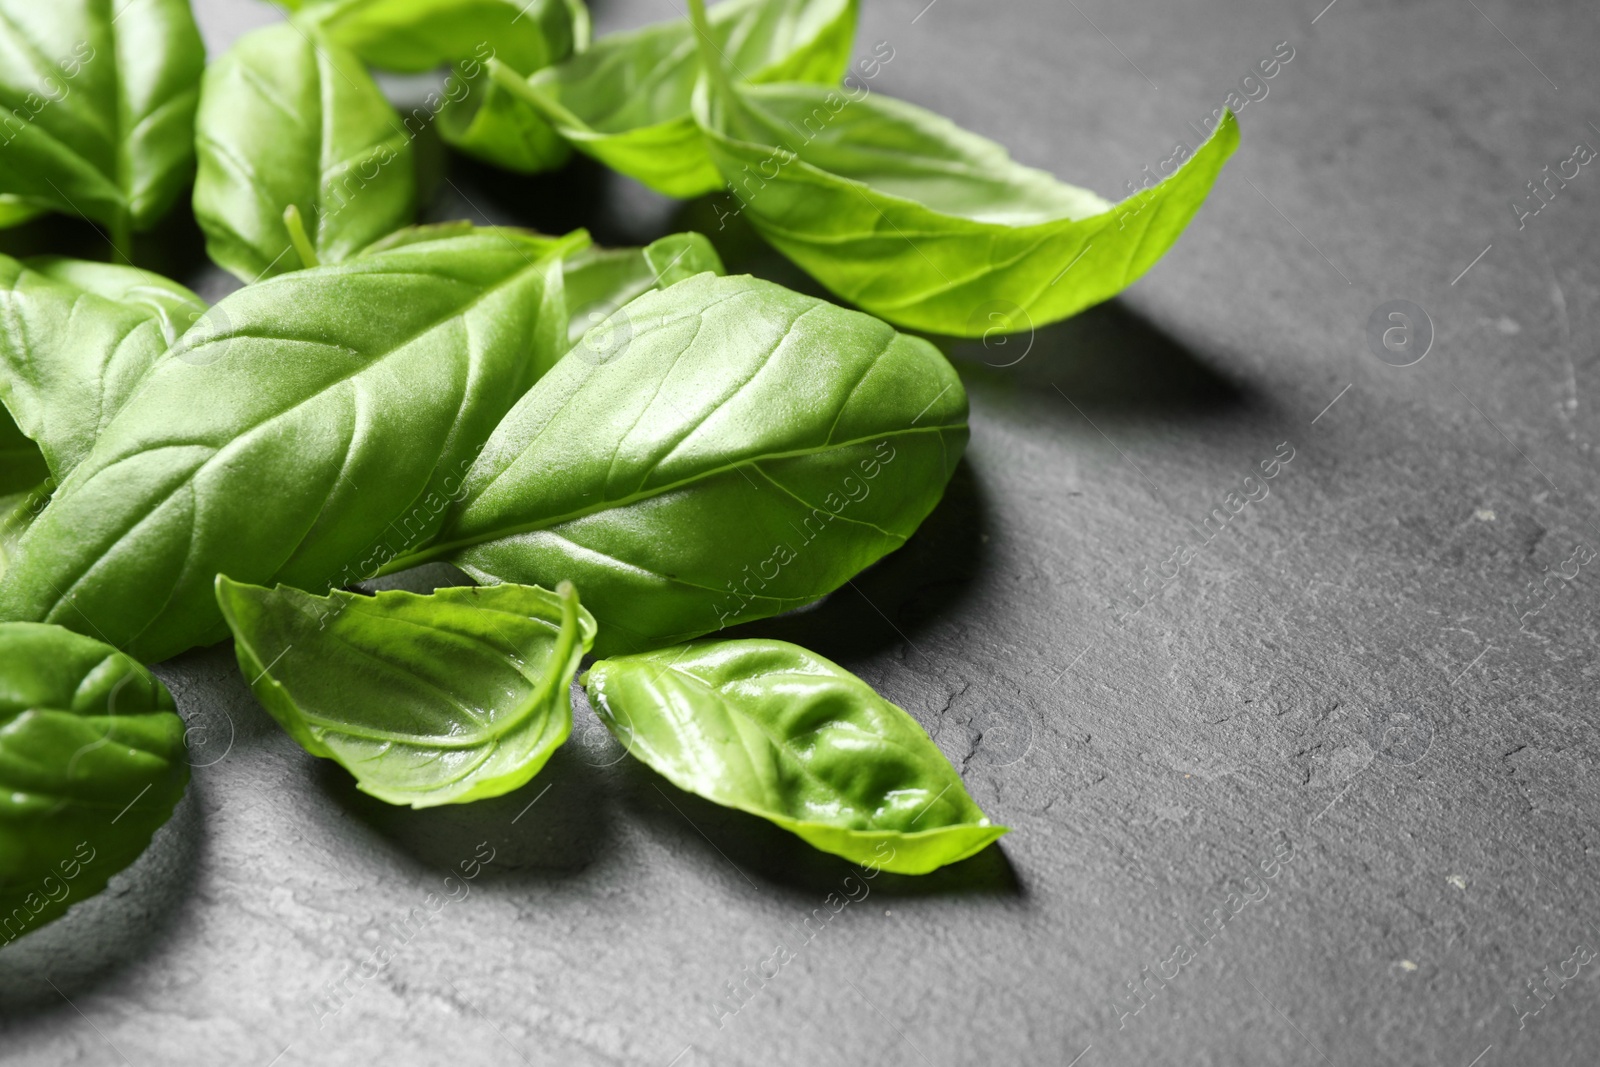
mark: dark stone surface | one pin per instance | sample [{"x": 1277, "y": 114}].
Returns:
[{"x": 1347, "y": 675}]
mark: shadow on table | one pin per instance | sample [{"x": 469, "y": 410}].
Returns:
[{"x": 42, "y": 972}]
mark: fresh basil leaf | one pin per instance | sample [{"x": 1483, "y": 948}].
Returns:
[
  {"x": 291, "y": 121},
  {"x": 459, "y": 695},
  {"x": 76, "y": 339},
  {"x": 310, "y": 428},
  {"x": 914, "y": 219},
  {"x": 626, "y": 101},
  {"x": 599, "y": 281},
  {"x": 414, "y": 36},
  {"x": 98, "y": 102},
  {"x": 92, "y": 763},
  {"x": 771, "y": 729},
  {"x": 14, "y": 210},
  {"x": 720, "y": 450}
]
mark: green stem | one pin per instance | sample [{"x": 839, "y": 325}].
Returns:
[
  {"x": 122, "y": 239},
  {"x": 297, "y": 237},
  {"x": 710, "y": 55},
  {"x": 509, "y": 80}
]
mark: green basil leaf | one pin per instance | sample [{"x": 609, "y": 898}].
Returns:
[
  {"x": 626, "y": 101},
  {"x": 720, "y": 450},
  {"x": 14, "y": 210},
  {"x": 76, "y": 339},
  {"x": 459, "y": 695},
  {"x": 769, "y": 728},
  {"x": 914, "y": 219},
  {"x": 291, "y": 121},
  {"x": 92, "y": 763},
  {"x": 599, "y": 281},
  {"x": 414, "y": 36},
  {"x": 310, "y": 428},
  {"x": 97, "y": 104}
]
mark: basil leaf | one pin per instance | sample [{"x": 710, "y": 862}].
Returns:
[
  {"x": 91, "y": 765},
  {"x": 289, "y": 121},
  {"x": 414, "y": 36},
  {"x": 14, "y": 210},
  {"x": 76, "y": 339},
  {"x": 769, "y": 728},
  {"x": 459, "y": 695},
  {"x": 99, "y": 103},
  {"x": 600, "y": 281},
  {"x": 914, "y": 219},
  {"x": 310, "y": 428},
  {"x": 626, "y": 101},
  {"x": 721, "y": 450}
]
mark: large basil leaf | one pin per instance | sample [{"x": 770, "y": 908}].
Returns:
[
  {"x": 76, "y": 339},
  {"x": 317, "y": 428},
  {"x": 459, "y": 695},
  {"x": 599, "y": 281},
  {"x": 91, "y": 765},
  {"x": 626, "y": 100},
  {"x": 903, "y": 213},
  {"x": 774, "y": 730},
  {"x": 291, "y": 121},
  {"x": 100, "y": 100},
  {"x": 725, "y": 450}
]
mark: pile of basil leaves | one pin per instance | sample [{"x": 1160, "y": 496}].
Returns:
[{"x": 681, "y": 449}]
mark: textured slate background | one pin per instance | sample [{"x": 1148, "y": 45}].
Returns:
[{"x": 1347, "y": 675}]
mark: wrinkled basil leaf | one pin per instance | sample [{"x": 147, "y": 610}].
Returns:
[
  {"x": 290, "y": 120},
  {"x": 774, "y": 730},
  {"x": 92, "y": 763},
  {"x": 312, "y": 427},
  {"x": 76, "y": 339},
  {"x": 626, "y": 101},
  {"x": 97, "y": 104},
  {"x": 721, "y": 450},
  {"x": 459, "y": 695},
  {"x": 901, "y": 212}
]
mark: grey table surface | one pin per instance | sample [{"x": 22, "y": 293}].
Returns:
[{"x": 1327, "y": 797}]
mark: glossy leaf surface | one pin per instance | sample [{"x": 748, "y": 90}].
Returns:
[
  {"x": 626, "y": 101},
  {"x": 318, "y": 433},
  {"x": 922, "y": 223},
  {"x": 99, "y": 101},
  {"x": 76, "y": 339},
  {"x": 288, "y": 119},
  {"x": 455, "y": 696},
  {"x": 774, "y": 730},
  {"x": 91, "y": 765},
  {"x": 724, "y": 449}
]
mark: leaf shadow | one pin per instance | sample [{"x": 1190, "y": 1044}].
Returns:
[
  {"x": 746, "y": 848},
  {"x": 96, "y": 940},
  {"x": 555, "y": 826}
]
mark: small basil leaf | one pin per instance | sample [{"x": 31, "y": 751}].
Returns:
[
  {"x": 914, "y": 219},
  {"x": 459, "y": 695},
  {"x": 600, "y": 281},
  {"x": 100, "y": 101},
  {"x": 287, "y": 120},
  {"x": 91, "y": 765},
  {"x": 626, "y": 101},
  {"x": 76, "y": 339},
  {"x": 14, "y": 210},
  {"x": 774, "y": 730},
  {"x": 720, "y": 450},
  {"x": 414, "y": 36},
  {"x": 310, "y": 428}
]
